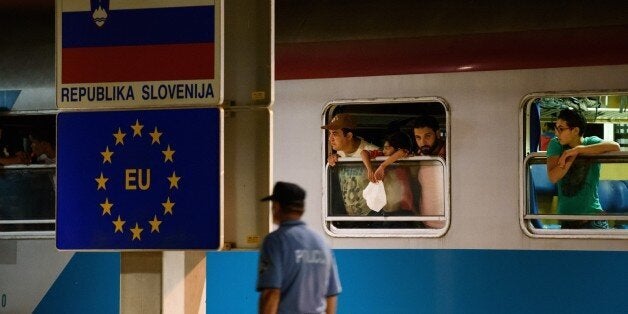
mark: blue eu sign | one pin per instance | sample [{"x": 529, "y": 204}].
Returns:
[{"x": 138, "y": 180}]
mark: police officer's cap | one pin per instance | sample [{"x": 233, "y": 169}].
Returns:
[{"x": 286, "y": 193}]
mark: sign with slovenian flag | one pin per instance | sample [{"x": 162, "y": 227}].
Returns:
[
  {"x": 139, "y": 179},
  {"x": 137, "y": 54}
]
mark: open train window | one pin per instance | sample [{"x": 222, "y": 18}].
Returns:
[
  {"x": 408, "y": 197},
  {"x": 27, "y": 174},
  {"x": 590, "y": 198}
]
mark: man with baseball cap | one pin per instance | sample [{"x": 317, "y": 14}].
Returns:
[
  {"x": 297, "y": 272},
  {"x": 342, "y": 139}
]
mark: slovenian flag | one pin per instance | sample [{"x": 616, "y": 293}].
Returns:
[{"x": 133, "y": 41}]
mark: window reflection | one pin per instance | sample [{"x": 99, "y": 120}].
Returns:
[
  {"x": 414, "y": 191},
  {"x": 28, "y": 197},
  {"x": 612, "y": 192},
  {"x": 27, "y": 174}
]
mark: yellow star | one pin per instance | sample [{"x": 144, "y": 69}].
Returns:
[
  {"x": 106, "y": 207},
  {"x": 106, "y": 155},
  {"x": 118, "y": 223},
  {"x": 101, "y": 182},
  {"x": 174, "y": 180},
  {"x": 167, "y": 206},
  {"x": 155, "y": 135},
  {"x": 154, "y": 224},
  {"x": 168, "y": 153},
  {"x": 119, "y": 137},
  {"x": 137, "y": 128},
  {"x": 137, "y": 231}
]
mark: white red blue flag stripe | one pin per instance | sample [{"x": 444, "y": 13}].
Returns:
[{"x": 110, "y": 41}]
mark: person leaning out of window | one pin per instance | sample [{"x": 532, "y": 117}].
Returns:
[{"x": 577, "y": 178}]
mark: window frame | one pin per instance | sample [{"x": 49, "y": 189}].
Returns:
[
  {"x": 328, "y": 112},
  {"x": 526, "y": 156},
  {"x": 31, "y": 234}
]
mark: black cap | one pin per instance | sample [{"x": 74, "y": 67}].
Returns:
[{"x": 286, "y": 193}]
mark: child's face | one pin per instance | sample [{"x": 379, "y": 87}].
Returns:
[{"x": 388, "y": 150}]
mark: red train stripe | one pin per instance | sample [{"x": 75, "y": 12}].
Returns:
[{"x": 439, "y": 54}]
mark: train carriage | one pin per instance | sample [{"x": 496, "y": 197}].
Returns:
[{"x": 495, "y": 90}]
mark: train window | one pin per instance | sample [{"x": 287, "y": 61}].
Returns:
[
  {"x": 590, "y": 198},
  {"x": 401, "y": 146},
  {"x": 27, "y": 175}
]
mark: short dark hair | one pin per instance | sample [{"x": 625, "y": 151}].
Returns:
[
  {"x": 426, "y": 121},
  {"x": 292, "y": 207},
  {"x": 399, "y": 140},
  {"x": 574, "y": 118}
]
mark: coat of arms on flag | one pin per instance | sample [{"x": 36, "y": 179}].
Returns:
[
  {"x": 139, "y": 179},
  {"x": 99, "y": 11}
]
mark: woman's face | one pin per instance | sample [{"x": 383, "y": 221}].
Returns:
[{"x": 387, "y": 149}]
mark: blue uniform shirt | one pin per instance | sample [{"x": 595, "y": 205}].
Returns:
[{"x": 297, "y": 261}]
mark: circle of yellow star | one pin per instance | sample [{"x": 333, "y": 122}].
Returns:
[
  {"x": 168, "y": 205},
  {"x": 137, "y": 128}
]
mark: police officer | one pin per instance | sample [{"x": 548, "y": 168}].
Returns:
[{"x": 297, "y": 270}]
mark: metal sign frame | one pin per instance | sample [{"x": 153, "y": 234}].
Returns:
[{"x": 138, "y": 55}]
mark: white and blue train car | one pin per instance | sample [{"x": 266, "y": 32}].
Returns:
[{"x": 483, "y": 234}]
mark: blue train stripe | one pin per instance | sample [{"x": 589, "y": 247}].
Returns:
[
  {"x": 445, "y": 281},
  {"x": 90, "y": 283},
  {"x": 389, "y": 281}
]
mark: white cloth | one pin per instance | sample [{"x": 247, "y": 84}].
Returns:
[{"x": 375, "y": 195}]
